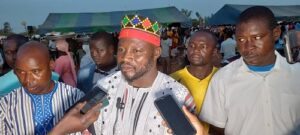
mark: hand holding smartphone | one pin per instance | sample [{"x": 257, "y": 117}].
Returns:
[
  {"x": 93, "y": 97},
  {"x": 174, "y": 116}
]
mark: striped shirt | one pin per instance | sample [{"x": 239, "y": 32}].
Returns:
[
  {"x": 131, "y": 110},
  {"x": 17, "y": 108}
]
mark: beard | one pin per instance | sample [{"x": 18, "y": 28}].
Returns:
[
  {"x": 137, "y": 72},
  {"x": 199, "y": 62}
]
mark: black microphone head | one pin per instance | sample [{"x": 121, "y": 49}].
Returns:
[{"x": 118, "y": 105}]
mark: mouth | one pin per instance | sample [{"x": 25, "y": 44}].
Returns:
[
  {"x": 195, "y": 56},
  {"x": 97, "y": 61},
  {"x": 126, "y": 67},
  {"x": 250, "y": 56},
  {"x": 31, "y": 88}
]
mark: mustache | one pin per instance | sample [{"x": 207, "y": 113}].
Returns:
[{"x": 125, "y": 63}]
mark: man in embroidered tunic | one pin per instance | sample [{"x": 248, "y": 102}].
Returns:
[
  {"x": 132, "y": 91},
  {"x": 40, "y": 103}
]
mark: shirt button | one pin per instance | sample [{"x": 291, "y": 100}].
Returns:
[{"x": 268, "y": 124}]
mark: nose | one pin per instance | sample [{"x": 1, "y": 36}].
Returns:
[
  {"x": 249, "y": 44},
  {"x": 197, "y": 49},
  {"x": 14, "y": 56},
  {"x": 93, "y": 53},
  {"x": 28, "y": 80},
  {"x": 127, "y": 56}
]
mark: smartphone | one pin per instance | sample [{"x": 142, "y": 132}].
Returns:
[
  {"x": 292, "y": 46},
  {"x": 93, "y": 97},
  {"x": 174, "y": 116}
]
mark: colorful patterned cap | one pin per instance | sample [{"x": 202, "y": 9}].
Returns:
[{"x": 136, "y": 26}]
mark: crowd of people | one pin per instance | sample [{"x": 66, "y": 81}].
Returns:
[{"x": 227, "y": 80}]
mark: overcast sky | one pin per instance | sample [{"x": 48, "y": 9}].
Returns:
[{"x": 34, "y": 12}]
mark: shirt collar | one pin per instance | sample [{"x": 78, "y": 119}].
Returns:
[
  {"x": 105, "y": 73},
  {"x": 207, "y": 78},
  {"x": 101, "y": 72},
  {"x": 277, "y": 65}
]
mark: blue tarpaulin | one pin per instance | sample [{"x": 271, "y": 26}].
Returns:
[
  {"x": 229, "y": 13},
  {"x": 108, "y": 21}
]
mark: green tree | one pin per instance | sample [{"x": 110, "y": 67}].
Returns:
[
  {"x": 6, "y": 28},
  {"x": 24, "y": 24},
  {"x": 200, "y": 19},
  {"x": 186, "y": 12}
]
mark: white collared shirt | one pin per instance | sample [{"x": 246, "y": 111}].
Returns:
[{"x": 248, "y": 103}]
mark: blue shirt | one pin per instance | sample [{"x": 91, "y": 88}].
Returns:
[{"x": 261, "y": 68}]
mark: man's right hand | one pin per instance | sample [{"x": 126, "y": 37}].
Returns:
[
  {"x": 194, "y": 121},
  {"x": 74, "y": 121}
]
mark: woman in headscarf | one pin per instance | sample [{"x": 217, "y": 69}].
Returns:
[{"x": 64, "y": 64}]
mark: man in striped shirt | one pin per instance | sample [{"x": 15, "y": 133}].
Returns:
[{"x": 41, "y": 102}]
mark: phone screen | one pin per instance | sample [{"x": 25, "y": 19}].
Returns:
[
  {"x": 174, "y": 116},
  {"x": 93, "y": 97},
  {"x": 292, "y": 46}
]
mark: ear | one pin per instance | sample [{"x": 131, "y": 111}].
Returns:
[
  {"x": 215, "y": 51},
  {"x": 52, "y": 64},
  {"x": 276, "y": 33},
  {"x": 157, "y": 52},
  {"x": 111, "y": 49}
]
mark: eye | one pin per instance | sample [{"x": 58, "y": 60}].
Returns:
[
  {"x": 8, "y": 52},
  {"x": 19, "y": 71},
  {"x": 36, "y": 71},
  {"x": 257, "y": 37},
  {"x": 192, "y": 45},
  {"x": 93, "y": 51},
  {"x": 241, "y": 39},
  {"x": 137, "y": 50},
  {"x": 203, "y": 46},
  {"x": 121, "y": 50},
  {"x": 99, "y": 51}
]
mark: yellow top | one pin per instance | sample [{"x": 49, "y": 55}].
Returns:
[{"x": 196, "y": 86}]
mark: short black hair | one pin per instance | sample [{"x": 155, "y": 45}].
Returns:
[
  {"x": 106, "y": 37},
  {"x": 215, "y": 39},
  {"x": 258, "y": 13},
  {"x": 18, "y": 38},
  {"x": 228, "y": 32}
]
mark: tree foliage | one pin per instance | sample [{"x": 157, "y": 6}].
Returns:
[
  {"x": 187, "y": 12},
  {"x": 6, "y": 28}
]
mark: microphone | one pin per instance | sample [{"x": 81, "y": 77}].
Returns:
[{"x": 119, "y": 104}]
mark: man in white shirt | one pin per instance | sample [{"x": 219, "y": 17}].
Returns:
[
  {"x": 228, "y": 46},
  {"x": 257, "y": 94},
  {"x": 165, "y": 44}
]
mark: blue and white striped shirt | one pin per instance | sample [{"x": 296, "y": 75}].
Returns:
[{"x": 17, "y": 109}]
